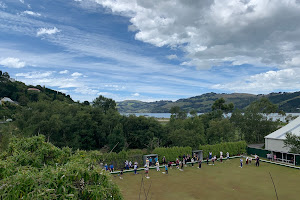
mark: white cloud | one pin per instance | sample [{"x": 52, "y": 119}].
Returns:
[
  {"x": 12, "y": 62},
  {"x": 76, "y": 74},
  {"x": 285, "y": 80},
  {"x": 136, "y": 94},
  {"x": 2, "y": 5},
  {"x": 35, "y": 14},
  {"x": 214, "y": 32},
  {"x": 50, "y": 31},
  {"x": 64, "y": 72},
  {"x": 35, "y": 75},
  {"x": 86, "y": 90},
  {"x": 171, "y": 57},
  {"x": 22, "y": 1}
]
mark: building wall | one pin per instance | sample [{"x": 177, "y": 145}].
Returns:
[{"x": 275, "y": 145}]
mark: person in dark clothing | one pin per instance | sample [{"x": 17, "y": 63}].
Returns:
[
  {"x": 207, "y": 160},
  {"x": 200, "y": 162},
  {"x": 164, "y": 160},
  {"x": 257, "y": 162}
]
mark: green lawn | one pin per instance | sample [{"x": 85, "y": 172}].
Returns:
[{"x": 222, "y": 181}]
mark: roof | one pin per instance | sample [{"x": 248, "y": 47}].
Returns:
[
  {"x": 5, "y": 99},
  {"x": 33, "y": 89},
  {"x": 292, "y": 127}
]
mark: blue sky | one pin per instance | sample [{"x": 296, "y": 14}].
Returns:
[{"x": 152, "y": 50}]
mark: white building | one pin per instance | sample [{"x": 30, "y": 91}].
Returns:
[{"x": 274, "y": 141}]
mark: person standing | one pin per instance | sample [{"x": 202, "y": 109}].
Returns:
[
  {"x": 135, "y": 167},
  {"x": 247, "y": 159},
  {"x": 241, "y": 161},
  {"x": 147, "y": 161},
  {"x": 210, "y": 155},
  {"x": 147, "y": 171},
  {"x": 111, "y": 168},
  {"x": 166, "y": 168},
  {"x": 227, "y": 155},
  {"x": 150, "y": 161},
  {"x": 192, "y": 161},
  {"x": 157, "y": 166},
  {"x": 257, "y": 161},
  {"x": 164, "y": 161},
  {"x": 200, "y": 162},
  {"x": 221, "y": 158},
  {"x": 206, "y": 160}
]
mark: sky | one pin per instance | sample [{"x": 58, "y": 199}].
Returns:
[{"x": 152, "y": 50}]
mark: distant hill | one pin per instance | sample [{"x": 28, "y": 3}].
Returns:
[{"x": 288, "y": 102}]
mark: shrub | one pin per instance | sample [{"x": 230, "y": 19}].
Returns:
[
  {"x": 35, "y": 169},
  {"x": 171, "y": 153},
  {"x": 234, "y": 148}
]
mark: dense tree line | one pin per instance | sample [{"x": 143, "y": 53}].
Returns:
[{"x": 100, "y": 126}]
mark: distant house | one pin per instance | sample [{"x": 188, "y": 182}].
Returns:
[
  {"x": 34, "y": 89},
  {"x": 6, "y": 99}
]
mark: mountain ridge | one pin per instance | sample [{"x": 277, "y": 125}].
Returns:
[{"x": 286, "y": 101}]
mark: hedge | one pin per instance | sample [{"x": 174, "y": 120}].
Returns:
[
  {"x": 234, "y": 148},
  {"x": 171, "y": 153}
]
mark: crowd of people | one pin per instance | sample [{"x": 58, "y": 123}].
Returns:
[{"x": 180, "y": 163}]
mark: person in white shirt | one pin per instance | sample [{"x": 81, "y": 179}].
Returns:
[
  {"x": 241, "y": 161},
  {"x": 227, "y": 155},
  {"x": 157, "y": 166},
  {"x": 135, "y": 167}
]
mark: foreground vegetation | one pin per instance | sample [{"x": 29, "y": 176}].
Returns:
[
  {"x": 222, "y": 181},
  {"x": 34, "y": 169}
]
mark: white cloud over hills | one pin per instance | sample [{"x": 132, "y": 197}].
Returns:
[{"x": 257, "y": 32}]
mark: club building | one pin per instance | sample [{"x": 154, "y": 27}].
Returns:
[{"x": 274, "y": 142}]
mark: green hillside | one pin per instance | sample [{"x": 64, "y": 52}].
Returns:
[
  {"x": 24, "y": 94},
  {"x": 288, "y": 102}
]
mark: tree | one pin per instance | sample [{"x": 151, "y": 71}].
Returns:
[
  {"x": 105, "y": 103},
  {"x": 221, "y": 131},
  {"x": 253, "y": 124},
  {"x": 116, "y": 139},
  {"x": 177, "y": 113},
  {"x": 6, "y": 75},
  {"x": 219, "y": 104},
  {"x": 293, "y": 142}
]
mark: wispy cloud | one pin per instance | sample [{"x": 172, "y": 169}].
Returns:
[
  {"x": 28, "y": 12},
  {"x": 2, "y": 5},
  {"x": 64, "y": 72},
  {"x": 76, "y": 74},
  {"x": 171, "y": 57},
  {"x": 35, "y": 75},
  {"x": 48, "y": 31},
  {"x": 12, "y": 62}
]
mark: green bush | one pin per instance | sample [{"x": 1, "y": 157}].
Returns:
[
  {"x": 171, "y": 153},
  {"x": 234, "y": 148},
  {"x": 35, "y": 169}
]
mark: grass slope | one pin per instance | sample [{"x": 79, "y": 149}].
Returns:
[{"x": 223, "y": 181}]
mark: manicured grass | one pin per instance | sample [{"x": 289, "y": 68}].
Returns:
[{"x": 222, "y": 181}]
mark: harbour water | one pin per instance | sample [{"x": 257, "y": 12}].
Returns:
[{"x": 274, "y": 116}]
